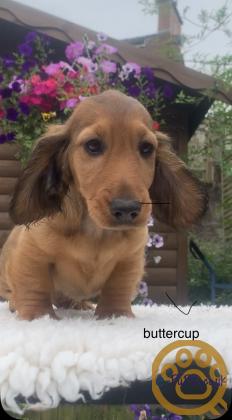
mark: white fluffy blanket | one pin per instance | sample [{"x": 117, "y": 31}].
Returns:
[{"x": 60, "y": 359}]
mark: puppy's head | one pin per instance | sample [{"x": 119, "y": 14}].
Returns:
[{"x": 114, "y": 161}]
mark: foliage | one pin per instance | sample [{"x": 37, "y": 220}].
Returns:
[
  {"x": 199, "y": 281},
  {"x": 35, "y": 90},
  {"x": 219, "y": 119}
]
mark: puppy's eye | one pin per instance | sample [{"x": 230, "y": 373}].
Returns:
[
  {"x": 94, "y": 147},
  {"x": 146, "y": 149}
]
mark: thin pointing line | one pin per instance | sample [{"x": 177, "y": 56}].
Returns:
[{"x": 194, "y": 303}]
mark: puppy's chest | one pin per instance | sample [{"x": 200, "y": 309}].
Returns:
[{"x": 86, "y": 265}]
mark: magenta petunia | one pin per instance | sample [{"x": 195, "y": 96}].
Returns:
[
  {"x": 74, "y": 50},
  {"x": 108, "y": 66}
]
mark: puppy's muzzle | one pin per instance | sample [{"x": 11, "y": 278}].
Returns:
[{"x": 124, "y": 211}]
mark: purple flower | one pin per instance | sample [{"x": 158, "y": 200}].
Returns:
[
  {"x": 31, "y": 36},
  {"x": 147, "y": 408},
  {"x": 123, "y": 75},
  {"x": 74, "y": 50},
  {"x": 155, "y": 240},
  {"x": 147, "y": 302},
  {"x": 24, "y": 108},
  {"x": 134, "y": 90},
  {"x": 28, "y": 64},
  {"x": 149, "y": 242},
  {"x": 101, "y": 37},
  {"x": 8, "y": 62},
  {"x": 10, "y": 136},
  {"x": 25, "y": 49},
  {"x": 106, "y": 49},
  {"x": 3, "y": 138},
  {"x": 71, "y": 103},
  {"x": 174, "y": 417},
  {"x": 16, "y": 87},
  {"x": 158, "y": 241},
  {"x": 143, "y": 289},
  {"x": 168, "y": 91},
  {"x": 131, "y": 68},
  {"x": 148, "y": 73},
  {"x": 11, "y": 114},
  {"x": 150, "y": 90},
  {"x": 136, "y": 410},
  {"x": 108, "y": 66},
  {"x": 6, "y": 92}
]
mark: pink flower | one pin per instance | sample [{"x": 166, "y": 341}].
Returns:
[
  {"x": 155, "y": 125},
  {"x": 46, "y": 87},
  {"x": 88, "y": 64},
  {"x": 35, "y": 79},
  {"x": 108, "y": 66},
  {"x": 52, "y": 68},
  {"x": 74, "y": 50},
  {"x": 71, "y": 103},
  {"x": 51, "y": 85},
  {"x": 106, "y": 49}
]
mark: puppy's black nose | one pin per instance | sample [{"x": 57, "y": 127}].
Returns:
[{"x": 124, "y": 211}]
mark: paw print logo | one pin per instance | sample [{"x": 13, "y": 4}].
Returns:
[{"x": 194, "y": 383}]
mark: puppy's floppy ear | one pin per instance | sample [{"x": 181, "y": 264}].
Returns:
[
  {"x": 44, "y": 181},
  {"x": 175, "y": 185}
]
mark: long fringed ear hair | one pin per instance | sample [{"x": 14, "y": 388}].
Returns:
[
  {"x": 179, "y": 198},
  {"x": 44, "y": 181}
]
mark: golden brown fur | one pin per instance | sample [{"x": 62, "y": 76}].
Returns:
[{"x": 69, "y": 243}]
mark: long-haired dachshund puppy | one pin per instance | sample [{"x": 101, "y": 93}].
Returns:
[{"x": 89, "y": 186}]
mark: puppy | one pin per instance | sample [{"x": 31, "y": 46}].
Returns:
[{"x": 82, "y": 206}]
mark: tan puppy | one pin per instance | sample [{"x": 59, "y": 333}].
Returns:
[{"x": 88, "y": 186}]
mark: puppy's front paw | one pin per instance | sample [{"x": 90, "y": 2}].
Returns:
[
  {"x": 28, "y": 314},
  {"x": 103, "y": 313}
]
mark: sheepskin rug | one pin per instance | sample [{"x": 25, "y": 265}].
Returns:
[{"x": 53, "y": 360}]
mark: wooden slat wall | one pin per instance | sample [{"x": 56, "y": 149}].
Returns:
[
  {"x": 170, "y": 275},
  {"x": 162, "y": 276},
  {"x": 9, "y": 172}
]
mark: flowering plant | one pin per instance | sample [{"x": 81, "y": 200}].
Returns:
[
  {"x": 157, "y": 241},
  {"x": 146, "y": 412},
  {"x": 35, "y": 90}
]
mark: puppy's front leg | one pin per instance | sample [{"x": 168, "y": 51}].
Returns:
[
  {"x": 31, "y": 284},
  {"x": 119, "y": 290}
]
